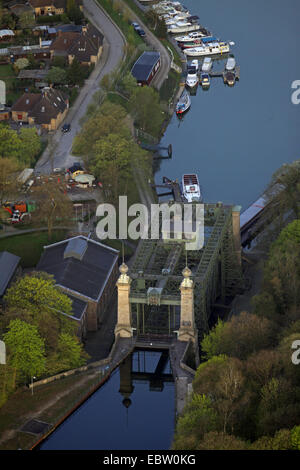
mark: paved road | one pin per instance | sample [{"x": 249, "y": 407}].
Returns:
[{"x": 112, "y": 54}]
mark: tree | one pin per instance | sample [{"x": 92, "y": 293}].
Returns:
[
  {"x": 22, "y": 63},
  {"x": 241, "y": 336},
  {"x": 143, "y": 100},
  {"x": 9, "y": 168},
  {"x": 53, "y": 205},
  {"x": 36, "y": 293},
  {"x": 70, "y": 352},
  {"x": 26, "y": 20},
  {"x": 10, "y": 145},
  {"x": 73, "y": 11},
  {"x": 221, "y": 441},
  {"x": 30, "y": 145},
  {"x": 198, "y": 419},
  {"x": 112, "y": 161},
  {"x": 110, "y": 118},
  {"x": 280, "y": 296},
  {"x": 26, "y": 349},
  {"x": 222, "y": 379},
  {"x": 75, "y": 73},
  {"x": 283, "y": 192},
  {"x": 57, "y": 76},
  {"x": 129, "y": 84}
]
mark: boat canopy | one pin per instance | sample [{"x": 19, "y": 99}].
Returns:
[{"x": 209, "y": 39}]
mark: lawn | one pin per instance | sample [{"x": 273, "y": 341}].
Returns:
[
  {"x": 29, "y": 246},
  {"x": 8, "y": 75}
]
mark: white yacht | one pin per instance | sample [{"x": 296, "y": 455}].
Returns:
[
  {"x": 183, "y": 27},
  {"x": 208, "y": 49},
  {"x": 190, "y": 37},
  {"x": 191, "y": 188}
]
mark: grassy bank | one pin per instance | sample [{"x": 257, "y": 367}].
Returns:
[
  {"x": 29, "y": 246},
  {"x": 48, "y": 403}
]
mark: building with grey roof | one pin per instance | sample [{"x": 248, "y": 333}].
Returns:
[{"x": 87, "y": 271}]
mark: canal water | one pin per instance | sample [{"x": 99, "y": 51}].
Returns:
[
  {"x": 234, "y": 138},
  {"x": 132, "y": 410}
]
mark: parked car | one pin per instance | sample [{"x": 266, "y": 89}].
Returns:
[
  {"x": 66, "y": 128},
  {"x": 140, "y": 31}
]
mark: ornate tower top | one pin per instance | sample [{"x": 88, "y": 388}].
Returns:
[
  {"x": 124, "y": 278},
  {"x": 187, "y": 281}
]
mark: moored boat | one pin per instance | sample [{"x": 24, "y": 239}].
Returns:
[
  {"x": 230, "y": 64},
  {"x": 208, "y": 50},
  {"x": 182, "y": 27},
  {"x": 204, "y": 80},
  {"x": 191, "y": 188},
  {"x": 206, "y": 64},
  {"x": 183, "y": 104}
]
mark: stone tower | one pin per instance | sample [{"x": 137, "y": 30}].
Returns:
[
  {"x": 123, "y": 327},
  {"x": 187, "y": 330}
]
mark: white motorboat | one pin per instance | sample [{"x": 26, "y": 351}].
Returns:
[
  {"x": 190, "y": 37},
  {"x": 183, "y": 104},
  {"x": 206, "y": 64},
  {"x": 192, "y": 80},
  {"x": 183, "y": 27},
  {"x": 191, "y": 188},
  {"x": 230, "y": 64},
  {"x": 208, "y": 50}
]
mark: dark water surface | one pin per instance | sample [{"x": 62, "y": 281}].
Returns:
[
  {"x": 235, "y": 138},
  {"x": 104, "y": 423}
]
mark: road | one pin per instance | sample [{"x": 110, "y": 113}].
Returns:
[{"x": 61, "y": 145}]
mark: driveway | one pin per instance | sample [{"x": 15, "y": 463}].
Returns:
[{"x": 58, "y": 152}]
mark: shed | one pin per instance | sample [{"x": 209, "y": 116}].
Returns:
[{"x": 146, "y": 67}]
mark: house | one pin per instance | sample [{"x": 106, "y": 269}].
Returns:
[
  {"x": 87, "y": 271},
  {"x": 146, "y": 67},
  {"x": 18, "y": 8},
  {"x": 46, "y": 109},
  {"x": 53, "y": 7},
  {"x": 86, "y": 48},
  {"x": 85, "y": 45},
  {"x": 9, "y": 269}
]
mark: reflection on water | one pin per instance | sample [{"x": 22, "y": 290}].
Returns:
[{"x": 135, "y": 409}]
